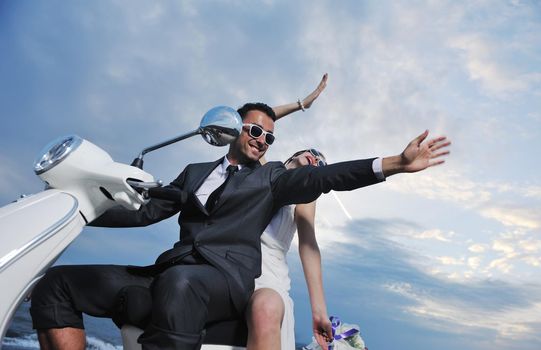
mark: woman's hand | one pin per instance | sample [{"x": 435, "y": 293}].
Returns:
[
  {"x": 283, "y": 110},
  {"x": 308, "y": 100},
  {"x": 322, "y": 328}
]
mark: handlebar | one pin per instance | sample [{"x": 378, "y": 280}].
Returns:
[
  {"x": 143, "y": 187},
  {"x": 155, "y": 190},
  {"x": 167, "y": 193}
]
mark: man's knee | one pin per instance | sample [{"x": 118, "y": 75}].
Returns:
[
  {"x": 51, "y": 305},
  {"x": 179, "y": 288},
  {"x": 178, "y": 280},
  {"x": 49, "y": 286},
  {"x": 133, "y": 306}
]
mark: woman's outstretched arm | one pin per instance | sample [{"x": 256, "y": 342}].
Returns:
[
  {"x": 311, "y": 264},
  {"x": 283, "y": 110}
]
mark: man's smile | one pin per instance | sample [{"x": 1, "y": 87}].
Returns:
[{"x": 253, "y": 144}]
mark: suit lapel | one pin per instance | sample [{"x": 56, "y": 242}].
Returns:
[
  {"x": 200, "y": 177},
  {"x": 235, "y": 183}
]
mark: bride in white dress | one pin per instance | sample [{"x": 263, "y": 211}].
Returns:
[{"x": 270, "y": 311}]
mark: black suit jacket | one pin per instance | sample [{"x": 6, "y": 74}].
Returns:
[{"x": 229, "y": 236}]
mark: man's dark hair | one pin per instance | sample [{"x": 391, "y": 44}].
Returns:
[{"x": 258, "y": 106}]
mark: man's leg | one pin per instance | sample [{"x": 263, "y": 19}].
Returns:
[
  {"x": 62, "y": 338},
  {"x": 185, "y": 298},
  {"x": 65, "y": 292}
]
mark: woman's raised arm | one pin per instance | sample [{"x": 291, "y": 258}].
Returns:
[{"x": 283, "y": 110}]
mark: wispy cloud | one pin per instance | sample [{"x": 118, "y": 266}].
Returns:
[
  {"x": 434, "y": 234},
  {"x": 460, "y": 306},
  {"x": 461, "y": 316},
  {"x": 477, "y": 248},
  {"x": 449, "y": 186},
  {"x": 529, "y": 218},
  {"x": 449, "y": 260},
  {"x": 478, "y": 196},
  {"x": 494, "y": 77}
]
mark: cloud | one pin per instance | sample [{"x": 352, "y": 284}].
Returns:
[
  {"x": 477, "y": 248},
  {"x": 462, "y": 254},
  {"x": 503, "y": 247},
  {"x": 448, "y": 260},
  {"x": 490, "y": 56},
  {"x": 434, "y": 234},
  {"x": 501, "y": 264},
  {"x": 528, "y": 218},
  {"x": 515, "y": 251},
  {"x": 533, "y": 191},
  {"x": 532, "y": 260},
  {"x": 448, "y": 186},
  {"x": 395, "y": 281},
  {"x": 530, "y": 245},
  {"x": 461, "y": 316},
  {"x": 470, "y": 307},
  {"x": 474, "y": 262},
  {"x": 490, "y": 200},
  {"x": 494, "y": 77}
]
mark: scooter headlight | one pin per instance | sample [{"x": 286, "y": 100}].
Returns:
[{"x": 55, "y": 152}]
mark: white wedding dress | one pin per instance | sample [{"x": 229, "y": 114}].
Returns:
[{"x": 275, "y": 242}]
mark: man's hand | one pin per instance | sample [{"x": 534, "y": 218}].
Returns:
[
  {"x": 417, "y": 156},
  {"x": 322, "y": 328}
]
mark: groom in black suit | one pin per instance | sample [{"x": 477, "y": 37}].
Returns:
[{"x": 209, "y": 274}]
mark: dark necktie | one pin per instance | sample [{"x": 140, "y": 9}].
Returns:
[{"x": 215, "y": 195}]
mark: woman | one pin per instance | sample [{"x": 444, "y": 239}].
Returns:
[{"x": 270, "y": 311}]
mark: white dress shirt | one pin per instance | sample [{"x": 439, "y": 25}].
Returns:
[
  {"x": 213, "y": 181},
  {"x": 377, "y": 167}
]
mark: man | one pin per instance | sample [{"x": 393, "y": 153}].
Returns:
[{"x": 209, "y": 275}]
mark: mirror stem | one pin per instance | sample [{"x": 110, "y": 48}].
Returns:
[{"x": 138, "y": 162}]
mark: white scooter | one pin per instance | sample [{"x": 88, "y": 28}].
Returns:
[{"x": 82, "y": 182}]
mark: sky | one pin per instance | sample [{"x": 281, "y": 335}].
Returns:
[{"x": 445, "y": 259}]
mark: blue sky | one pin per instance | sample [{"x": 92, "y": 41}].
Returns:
[{"x": 445, "y": 259}]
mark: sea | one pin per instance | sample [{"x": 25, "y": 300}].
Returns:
[{"x": 101, "y": 333}]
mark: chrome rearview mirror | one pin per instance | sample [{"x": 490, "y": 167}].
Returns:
[{"x": 220, "y": 126}]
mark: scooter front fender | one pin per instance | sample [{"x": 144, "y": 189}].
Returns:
[{"x": 34, "y": 231}]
